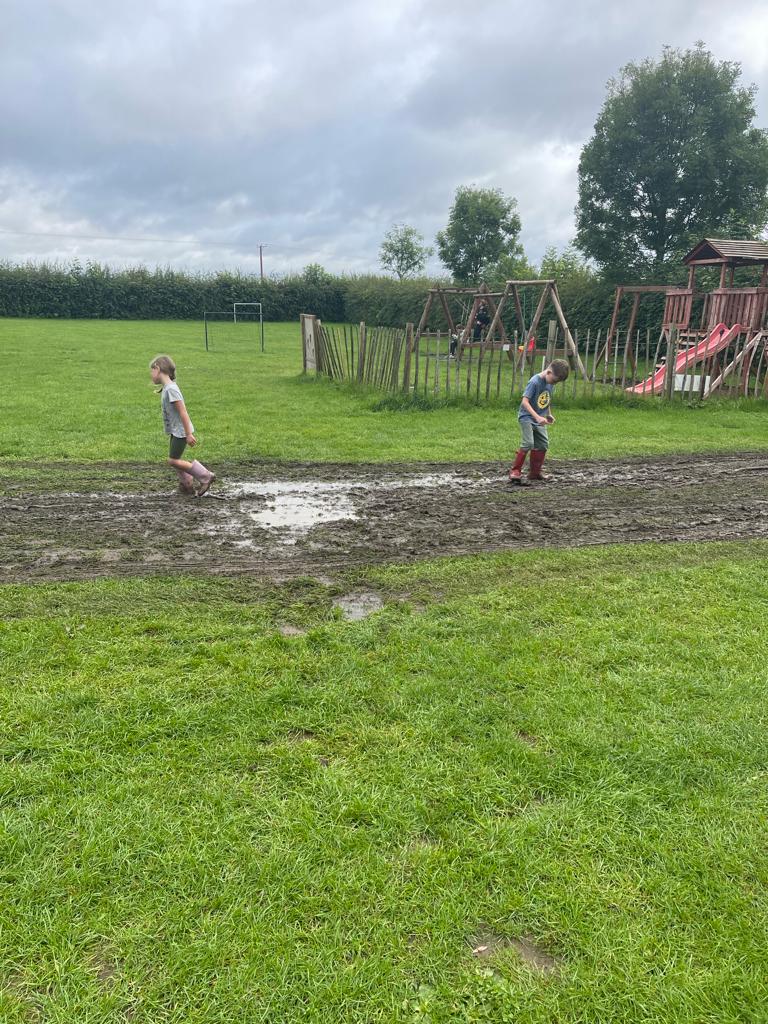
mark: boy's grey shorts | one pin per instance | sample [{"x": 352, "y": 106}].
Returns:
[{"x": 534, "y": 436}]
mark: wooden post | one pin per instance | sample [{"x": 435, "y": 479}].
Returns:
[
  {"x": 491, "y": 303},
  {"x": 446, "y": 310},
  {"x": 496, "y": 319},
  {"x": 586, "y": 359},
  {"x": 566, "y": 329},
  {"x": 425, "y": 314},
  {"x": 531, "y": 332},
  {"x": 631, "y": 329},
  {"x": 408, "y": 352},
  {"x": 488, "y": 375},
  {"x": 605, "y": 352},
  {"x": 362, "y": 343},
  {"x": 551, "y": 340},
  {"x": 467, "y": 330},
  {"x": 669, "y": 381},
  {"x": 575, "y": 376},
  {"x": 518, "y": 308}
]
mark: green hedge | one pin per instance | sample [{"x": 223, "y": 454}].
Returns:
[{"x": 94, "y": 291}]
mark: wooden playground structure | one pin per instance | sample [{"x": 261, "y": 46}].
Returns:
[
  {"x": 480, "y": 323},
  {"x": 723, "y": 331},
  {"x": 711, "y": 341}
]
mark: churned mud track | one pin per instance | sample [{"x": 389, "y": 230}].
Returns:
[{"x": 87, "y": 521}]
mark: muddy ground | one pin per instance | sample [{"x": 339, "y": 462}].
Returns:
[{"x": 274, "y": 519}]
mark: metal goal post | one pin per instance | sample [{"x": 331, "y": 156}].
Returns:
[
  {"x": 231, "y": 316},
  {"x": 252, "y": 307}
]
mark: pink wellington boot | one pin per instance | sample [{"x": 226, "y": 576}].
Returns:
[
  {"x": 204, "y": 476},
  {"x": 186, "y": 482}
]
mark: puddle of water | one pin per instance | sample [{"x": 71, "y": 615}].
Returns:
[
  {"x": 299, "y": 512},
  {"x": 282, "y": 488},
  {"x": 358, "y": 606}
]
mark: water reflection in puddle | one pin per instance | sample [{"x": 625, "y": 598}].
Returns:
[
  {"x": 299, "y": 512},
  {"x": 293, "y": 507}
]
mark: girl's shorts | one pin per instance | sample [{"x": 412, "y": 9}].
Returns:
[{"x": 178, "y": 444}]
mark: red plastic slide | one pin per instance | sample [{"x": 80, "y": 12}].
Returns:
[{"x": 720, "y": 338}]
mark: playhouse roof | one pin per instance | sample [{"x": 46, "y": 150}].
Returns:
[{"x": 734, "y": 251}]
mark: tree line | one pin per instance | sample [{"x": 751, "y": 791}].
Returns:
[{"x": 674, "y": 157}]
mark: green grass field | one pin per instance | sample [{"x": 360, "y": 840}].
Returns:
[
  {"x": 80, "y": 390},
  {"x": 203, "y": 820}
]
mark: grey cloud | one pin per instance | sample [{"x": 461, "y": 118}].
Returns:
[{"x": 307, "y": 126}]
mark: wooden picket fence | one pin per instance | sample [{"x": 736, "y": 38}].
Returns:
[{"x": 389, "y": 360}]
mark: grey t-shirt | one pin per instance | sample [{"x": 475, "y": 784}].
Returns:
[{"x": 171, "y": 419}]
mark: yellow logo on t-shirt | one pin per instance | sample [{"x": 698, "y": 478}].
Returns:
[{"x": 543, "y": 400}]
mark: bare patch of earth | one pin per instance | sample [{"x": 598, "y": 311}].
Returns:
[
  {"x": 486, "y": 945},
  {"x": 284, "y": 519}
]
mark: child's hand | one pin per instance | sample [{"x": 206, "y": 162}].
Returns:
[
  {"x": 542, "y": 420},
  {"x": 191, "y": 440}
]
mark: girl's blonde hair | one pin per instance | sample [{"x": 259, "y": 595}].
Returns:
[{"x": 165, "y": 365}]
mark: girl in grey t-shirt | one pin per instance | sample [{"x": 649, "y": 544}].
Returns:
[{"x": 178, "y": 425}]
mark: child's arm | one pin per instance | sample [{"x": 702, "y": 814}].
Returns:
[
  {"x": 187, "y": 423},
  {"x": 529, "y": 409}
]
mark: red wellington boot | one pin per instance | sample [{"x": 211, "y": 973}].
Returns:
[
  {"x": 516, "y": 469},
  {"x": 534, "y": 470}
]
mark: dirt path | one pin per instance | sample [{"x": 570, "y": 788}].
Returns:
[{"x": 95, "y": 520}]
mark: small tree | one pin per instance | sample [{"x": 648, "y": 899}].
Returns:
[
  {"x": 402, "y": 252},
  {"x": 674, "y": 157},
  {"x": 315, "y": 273},
  {"x": 483, "y": 228},
  {"x": 510, "y": 268},
  {"x": 567, "y": 266}
]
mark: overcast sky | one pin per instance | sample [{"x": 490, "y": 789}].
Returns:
[{"x": 311, "y": 126}]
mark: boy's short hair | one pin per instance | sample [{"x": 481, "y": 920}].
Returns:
[{"x": 560, "y": 368}]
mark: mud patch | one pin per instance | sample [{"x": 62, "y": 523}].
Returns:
[
  {"x": 301, "y": 736},
  {"x": 291, "y": 519},
  {"x": 288, "y": 630},
  {"x": 29, "y": 998},
  {"x": 486, "y": 944},
  {"x": 355, "y": 607},
  {"x": 534, "y": 956},
  {"x": 107, "y": 973}
]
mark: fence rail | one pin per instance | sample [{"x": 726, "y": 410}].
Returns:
[{"x": 391, "y": 360}]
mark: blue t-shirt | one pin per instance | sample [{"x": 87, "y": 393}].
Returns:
[{"x": 539, "y": 394}]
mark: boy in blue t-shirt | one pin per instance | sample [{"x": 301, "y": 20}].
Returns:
[{"x": 534, "y": 415}]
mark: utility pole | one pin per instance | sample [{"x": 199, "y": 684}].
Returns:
[{"x": 261, "y": 260}]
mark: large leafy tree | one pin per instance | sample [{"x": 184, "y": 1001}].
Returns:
[
  {"x": 403, "y": 252},
  {"x": 674, "y": 157},
  {"x": 483, "y": 228}
]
